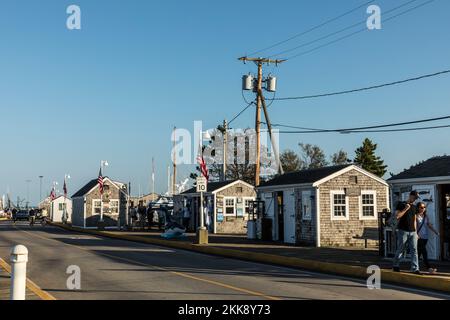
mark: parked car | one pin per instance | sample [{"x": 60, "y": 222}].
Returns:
[{"x": 22, "y": 215}]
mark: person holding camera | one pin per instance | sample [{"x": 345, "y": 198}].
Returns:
[{"x": 407, "y": 232}]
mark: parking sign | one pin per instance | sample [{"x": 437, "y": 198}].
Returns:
[{"x": 201, "y": 184}]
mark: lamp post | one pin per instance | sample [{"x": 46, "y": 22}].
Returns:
[
  {"x": 103, "y": 163},
  {"x": 65, "y": 216},
  {"x": 54, "y": 192}
]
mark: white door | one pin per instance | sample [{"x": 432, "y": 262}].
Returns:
[
  {"x": 428, "y": 196},
  {"x": 289, "y": 216}
]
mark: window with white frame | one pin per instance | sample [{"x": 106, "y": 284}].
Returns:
[
  {"x": 230, "y": 206},
  {"x": 339, "y": 205},
  {"x": 368, "y": 209},
  {"x": 114, "y": 206},
  {"x": 62, "y": 206},
  {"x": 247, "y": 205},
  {"x": 96, "y": 206}
]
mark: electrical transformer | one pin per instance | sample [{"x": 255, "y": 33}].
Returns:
[
  {"x": 271, "y": 84},
  {"x": 247, "y": 82}
]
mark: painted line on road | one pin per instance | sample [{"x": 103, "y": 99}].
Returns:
[
  {"x": 44, "y": 295},
  {"x": 180, "y": 274}
]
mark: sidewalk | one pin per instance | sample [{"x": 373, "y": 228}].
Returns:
[{"x": 351, "y": 262}]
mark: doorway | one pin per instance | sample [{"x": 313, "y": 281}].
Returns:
[
  {"x": 280, "y": 215},
  {"x": 444, "y": 210}
]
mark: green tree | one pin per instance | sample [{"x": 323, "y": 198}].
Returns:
[
  {"x": 312, "y": 156},
  {"x": 340, "y": 158},
  {"x": 290, "y": 161},
  {"x": 367, "y": 159}
]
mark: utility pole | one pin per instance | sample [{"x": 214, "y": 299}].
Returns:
[
  {"x": 225, "y": 146},
  {"x": 259, "y": 98},
  {"x": 174, "y": 178}
]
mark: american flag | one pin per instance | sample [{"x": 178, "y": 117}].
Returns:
[
  {"x": 52, "y": 194},
  {"x": 100, "y": 181},
  {"x": 65, "y": 188},
  {"x": 203, "y": 168}
]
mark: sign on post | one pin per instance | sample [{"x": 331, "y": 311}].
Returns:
[{"x": 202, "y": 184}]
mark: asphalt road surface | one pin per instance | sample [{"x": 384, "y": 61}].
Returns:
[{"x": 116, "y": 269}]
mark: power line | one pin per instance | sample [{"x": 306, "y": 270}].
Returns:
[
  {"x": 357, "y": 32},
  {"x": 311, "y": 29},
  {"x": 338, "y": 31},
  {"x": 241, "y": 112},
  {"x": 398, "y": 130},
  {"x": 366, "y": 129},
  {"x": 365, "y": 88}
]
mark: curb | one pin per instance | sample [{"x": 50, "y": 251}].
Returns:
[
  {"x": 33, "y": 287},
  {"x": 427, "y": 282}
]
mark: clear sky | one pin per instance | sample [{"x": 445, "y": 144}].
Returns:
[{"x": 114, "y": 89}]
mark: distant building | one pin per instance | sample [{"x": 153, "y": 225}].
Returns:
[
  {"x": 60, "y": 206},
  {"x": 330, "y": 206},
  {"x": 431, "y": 179},
  {"x": 227, "y": 202},
  {"x": 88, "y": 204},
  {"x": 143, "y": 200}
]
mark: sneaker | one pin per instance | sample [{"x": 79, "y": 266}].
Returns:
[
  {"x": 396, "y": 269},
  {"x": 418, "y": 272},
  {"x": 432, "y": 270}
]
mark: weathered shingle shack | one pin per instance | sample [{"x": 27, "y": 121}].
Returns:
[
  {"x": 228, "y": 204},
  {"x": 88, "y": 203},
  {"x": 330, "y": 206}
]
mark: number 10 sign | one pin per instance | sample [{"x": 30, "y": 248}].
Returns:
[{"x": 201, "y": 184}]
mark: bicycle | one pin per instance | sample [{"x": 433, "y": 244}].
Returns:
[{"x": 44, "y": 221}]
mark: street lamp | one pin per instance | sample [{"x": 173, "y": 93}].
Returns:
[
  {"x": 103, "y": 163},
  {"x": 52, "y": 197},
  {"x": 65, "y": 217}
]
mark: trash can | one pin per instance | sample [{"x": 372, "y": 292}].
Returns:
[
  {"x": 251, "y": 229},
  {"x": 266, "y": 229}
]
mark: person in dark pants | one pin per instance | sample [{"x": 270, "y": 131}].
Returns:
[
  {"x": 149, "y": 216},
  {"x": 407, "y": 232},
  {"x": 423, "y": 224},
  {"x": 14, "y": 214}
]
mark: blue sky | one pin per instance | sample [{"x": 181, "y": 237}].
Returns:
[{"x": 114, "y": 89}]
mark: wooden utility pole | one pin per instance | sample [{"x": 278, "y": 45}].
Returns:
[
  {"x": 174, "y": 178},
  {"x": 259, "y": 98}
]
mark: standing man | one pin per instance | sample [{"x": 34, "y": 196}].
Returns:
[{"x": 407, "y": 232}]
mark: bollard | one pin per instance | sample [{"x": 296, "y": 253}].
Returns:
[{"x": 19, "y": 259}]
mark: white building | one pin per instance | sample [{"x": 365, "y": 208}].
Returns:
[{"x": 58, "y": 207}]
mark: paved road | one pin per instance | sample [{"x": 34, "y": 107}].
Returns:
[{"x": 115, "y": 269}]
